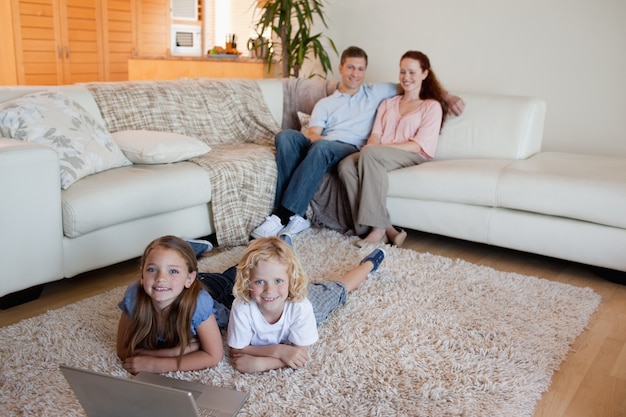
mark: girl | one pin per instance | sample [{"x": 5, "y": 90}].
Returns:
[
  {"x": 272, "y": 322},
  {"x": 169, "y": 321}
]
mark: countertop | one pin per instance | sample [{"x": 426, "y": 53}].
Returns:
[{"x": 219, "y": 57}]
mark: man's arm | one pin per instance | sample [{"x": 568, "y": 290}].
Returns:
[
  {"x": 314, "y": 133},
  {"x": 455, "y": 104}
]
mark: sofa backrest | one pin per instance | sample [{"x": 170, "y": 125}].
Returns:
[
  {"x": 272, "y": 90},
  {"x": 76, "y": 92},
  {"x": 300, "y": 95},
  {"x": 493, "y": 126}
]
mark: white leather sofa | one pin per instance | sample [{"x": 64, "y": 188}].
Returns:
[
  {"x": 490, "y": 183},
  {"x": 47, "y": 233}
]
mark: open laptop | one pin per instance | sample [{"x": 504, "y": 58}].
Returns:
[{"x": 150, "y": 395}]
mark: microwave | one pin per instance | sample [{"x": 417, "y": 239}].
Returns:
[{"x": 186, "y": 39}]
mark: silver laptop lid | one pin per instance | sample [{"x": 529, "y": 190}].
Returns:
[
  {"x": 224, "y": 402},
  {"x": 150, "y": 394},
  {"x": 108, "y": 396}
]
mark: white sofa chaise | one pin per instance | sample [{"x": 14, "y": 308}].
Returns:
[{"x": 490, "y": 183}]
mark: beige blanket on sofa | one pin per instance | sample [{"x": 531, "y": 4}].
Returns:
[{"x": 231, "y": 116}]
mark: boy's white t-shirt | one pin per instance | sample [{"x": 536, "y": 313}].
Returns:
[{"x": 247, "y": 326}]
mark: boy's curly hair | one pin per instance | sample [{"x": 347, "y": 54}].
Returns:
[{"x": 265, "y": 249}]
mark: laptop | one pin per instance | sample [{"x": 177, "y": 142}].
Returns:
[{"x": 150, "y": 395}]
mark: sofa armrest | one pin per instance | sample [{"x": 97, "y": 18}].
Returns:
[{"x": 31, "y": 242}]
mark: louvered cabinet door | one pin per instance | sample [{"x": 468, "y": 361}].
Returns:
[
  {"x": 81, "y": 28},
  {"x": 119, "y": 38},
  {"x": 38, "y": 43},
  {"x": 153, "y": 28},
  {"x": 58, "y": 41}
]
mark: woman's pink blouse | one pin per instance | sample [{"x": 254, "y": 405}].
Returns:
[{"x": 421, "y": 125}]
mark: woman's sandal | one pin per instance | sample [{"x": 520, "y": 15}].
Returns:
[{"x": 399, "y": 239}]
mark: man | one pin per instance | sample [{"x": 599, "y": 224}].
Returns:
[{"x": 339, "y": 126}]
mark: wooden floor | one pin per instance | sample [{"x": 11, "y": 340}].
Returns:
[{"x": 590, "y": 383}]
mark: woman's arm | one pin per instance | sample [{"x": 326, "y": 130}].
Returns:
[
  {"x": 374, "y": 139},
  {"x": 409, "y": 146},
  {"x": 206, "y": 353},
  {"x": 377, "y": 127},
  {"x": 264, "y": 358}
]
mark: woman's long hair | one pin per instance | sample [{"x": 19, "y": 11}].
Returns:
[
  {"x": 144, "y": 331},
  {"x": 264, "y": 249},
  {"x": 431, "y": 87}
]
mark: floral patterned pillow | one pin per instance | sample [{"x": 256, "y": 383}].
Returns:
[{"x": 53, "y": 119}]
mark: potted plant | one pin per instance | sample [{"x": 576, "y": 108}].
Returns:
[{"x": 290, "y": 22}]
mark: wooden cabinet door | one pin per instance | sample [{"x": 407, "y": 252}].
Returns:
[
  {"x": 119, "y": 38},
  {"x": 38, "y": 43},
  {"x": 153, "y": 28},
  {"x": 57, "y": 41},
  {"x": 72, "y": 41},
  {"x": 81, "y": 26}
]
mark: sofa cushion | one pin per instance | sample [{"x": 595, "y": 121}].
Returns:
[
  {"x": 466, "y": 181},
  {"x": 53, "y": 119},
  {"x": 493, "y": 126},
  {"x": 150, "y": 147},
  {"x": 585, "y": 187},
  {"x": 141, "y": 191}
]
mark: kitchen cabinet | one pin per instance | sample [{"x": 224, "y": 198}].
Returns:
[
  {"x": 72, "y": 41},
  {"x": 118, "y": 37},
  {"x": 171, "y": 68},
  {"x": 132, "y": 28},
  {"x": 57, "y": 41},
  {"x": 152, "y": 28}
]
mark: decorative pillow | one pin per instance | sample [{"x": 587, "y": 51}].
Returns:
[
  {"x": 53, "y": 119},
  {"x": 304, "y": 121},
  {"x": 150, "y": 147}
]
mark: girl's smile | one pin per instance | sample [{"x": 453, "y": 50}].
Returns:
[{"x": 164, "y": 276}]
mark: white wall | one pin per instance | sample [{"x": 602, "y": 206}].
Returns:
[{"x": 572, "y": 53}]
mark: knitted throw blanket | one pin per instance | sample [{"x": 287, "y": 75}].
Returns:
[{"x": 231, "y": 116}]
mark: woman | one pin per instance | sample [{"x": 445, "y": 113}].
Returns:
[{"x": 405, "y": 133}]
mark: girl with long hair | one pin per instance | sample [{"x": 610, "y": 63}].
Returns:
[{"x": 169, "y": 321}]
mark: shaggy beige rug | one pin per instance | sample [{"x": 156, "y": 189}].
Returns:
[{"x": 425, "y": 336}]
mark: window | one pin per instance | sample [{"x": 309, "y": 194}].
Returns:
[
  {"x": 222, "y": 17},
  {"x": 184, "y": 9}
]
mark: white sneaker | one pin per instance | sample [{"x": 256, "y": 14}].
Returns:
[
  {"x": 296, "y": 225},
  {"x": 270, "y": 227}
]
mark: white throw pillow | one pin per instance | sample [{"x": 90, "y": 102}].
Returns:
[
  {"x": 151, "y": 147},
  {"x": 304, "y": 121},
  {"x": 51, "y": 118}
]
